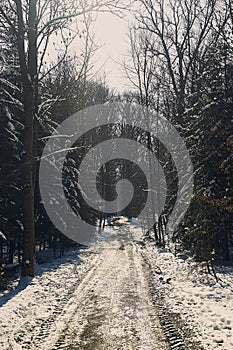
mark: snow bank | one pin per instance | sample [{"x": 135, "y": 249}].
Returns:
[{"x": 206, "y": 305}]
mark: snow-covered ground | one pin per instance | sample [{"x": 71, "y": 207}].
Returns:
[
  {"x": 103, "y": 291},
  {"x": 103, "y": 303},
  {"x": 200, "y": 301},
  {"x": 26, "y": 314}
]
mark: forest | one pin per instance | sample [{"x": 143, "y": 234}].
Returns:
[{"x": 179, "y": 64}]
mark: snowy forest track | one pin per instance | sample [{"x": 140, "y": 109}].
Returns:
[
  {"x": 116, "y": 302},
  {"x": 114, "y": 310}
]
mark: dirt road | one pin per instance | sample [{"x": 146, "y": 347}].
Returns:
[
  {"x": 105, "y": 298},
  {"x": 113, "y": 309}
]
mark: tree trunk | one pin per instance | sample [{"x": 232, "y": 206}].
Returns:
[
  {"x": 28, "y": 193},
  {"x": 28, "y": 65},
  {"x": 11, "y": 251}
]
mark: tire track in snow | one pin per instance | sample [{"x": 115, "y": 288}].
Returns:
[
  {"x": 114, "y": 308},
  {"x": 42, "y": 303},
  {"x": 117, "y": 305},
  {"x": 178, "y": 334},
  {"x": 52, "y": 328}
]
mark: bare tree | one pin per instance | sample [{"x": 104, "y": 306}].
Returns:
[
  {"x": 140, "y": 68},
  {"x": 142, "y": 71},
  {"x": 182, "y": 28}
]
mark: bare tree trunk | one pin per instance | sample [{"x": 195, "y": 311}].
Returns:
[{"x": 29, "y": 76}]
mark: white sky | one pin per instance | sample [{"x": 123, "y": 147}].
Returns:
[{"x": 111, "y": 35}]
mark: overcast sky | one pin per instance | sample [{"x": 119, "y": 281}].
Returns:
[{"x": 111, "y": 34}]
